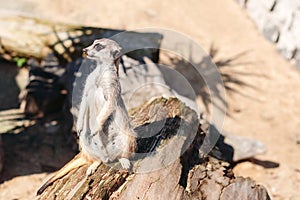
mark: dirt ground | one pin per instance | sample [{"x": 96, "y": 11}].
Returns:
[{"x": 267, "y": 109}]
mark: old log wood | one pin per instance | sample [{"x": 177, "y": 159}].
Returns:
[
  {"x": 29, "y": 37},
  {"x": 168, "y": 164}
]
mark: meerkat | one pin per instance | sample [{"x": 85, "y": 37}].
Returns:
[{"x": 103, "y": 125}]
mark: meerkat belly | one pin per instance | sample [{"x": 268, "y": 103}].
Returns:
[
  {"x": 96, "y": 103},
  {"x": 108, "y": 144},
  {"x": 117, "y": 133},
  {"x": 95, "y": 148},
  {"x": 99, "y": 97},
  {"x": 103, "y": 147}
]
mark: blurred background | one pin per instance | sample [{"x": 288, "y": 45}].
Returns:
[{"x": 254, "y": 43}]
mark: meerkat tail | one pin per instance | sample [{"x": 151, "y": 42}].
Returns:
[{"x": 78, "y": 161}]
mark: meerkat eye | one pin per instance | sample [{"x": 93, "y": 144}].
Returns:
[{"x": 98, "y": 47}]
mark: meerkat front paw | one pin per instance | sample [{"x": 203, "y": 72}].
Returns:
[
  {"x": 79, "y": 128},
  {"x": 99, "y": 122},
  {"x": 92, "y": 168},
  {"x": 125, "y": 163}
]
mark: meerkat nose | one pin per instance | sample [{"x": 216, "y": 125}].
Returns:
[{"x": 84, "y": 52}]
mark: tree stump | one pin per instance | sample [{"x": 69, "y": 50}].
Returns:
[{"x": 168, "y": 164}]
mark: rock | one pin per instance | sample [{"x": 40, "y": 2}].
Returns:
[
  {"x": 242, "y": 2},
  {"x": 295, "y": 29},
  {"x": 244, "y": 147},
  {"x": 270, "y": 31},
  {"x": 297, "y": 58},
  {"x": 278, "y": 25},
  {"x": 257, "y": 13},
  {"x": 286, "y": 45},
  {"x": 269, "y": 4}
]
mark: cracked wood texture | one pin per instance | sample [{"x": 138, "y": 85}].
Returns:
[{"x": 168, "y": 164}]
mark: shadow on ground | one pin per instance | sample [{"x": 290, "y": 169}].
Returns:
[
  {"x": 38, "y": 148},
  {"x": 8, "y": 85}
]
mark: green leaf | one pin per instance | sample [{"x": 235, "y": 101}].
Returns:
[{"x": 20, "y": 61}]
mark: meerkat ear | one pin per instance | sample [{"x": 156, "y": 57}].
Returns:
[{"x": 117, "y": 56}]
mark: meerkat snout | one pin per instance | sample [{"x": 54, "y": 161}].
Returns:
[{"x": 84, "y": 51}]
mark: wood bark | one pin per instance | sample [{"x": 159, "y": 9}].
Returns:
[{"x": 171, "y": 167}]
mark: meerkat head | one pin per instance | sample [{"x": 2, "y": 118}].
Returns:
[{"x": 103, "y": 51}]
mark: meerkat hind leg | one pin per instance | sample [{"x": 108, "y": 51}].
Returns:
[
  {"x": 125, "y": 163},
  {"x": 93, "y": 168}
]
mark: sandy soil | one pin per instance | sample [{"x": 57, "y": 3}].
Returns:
[{"x": 267, "y": 109}]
